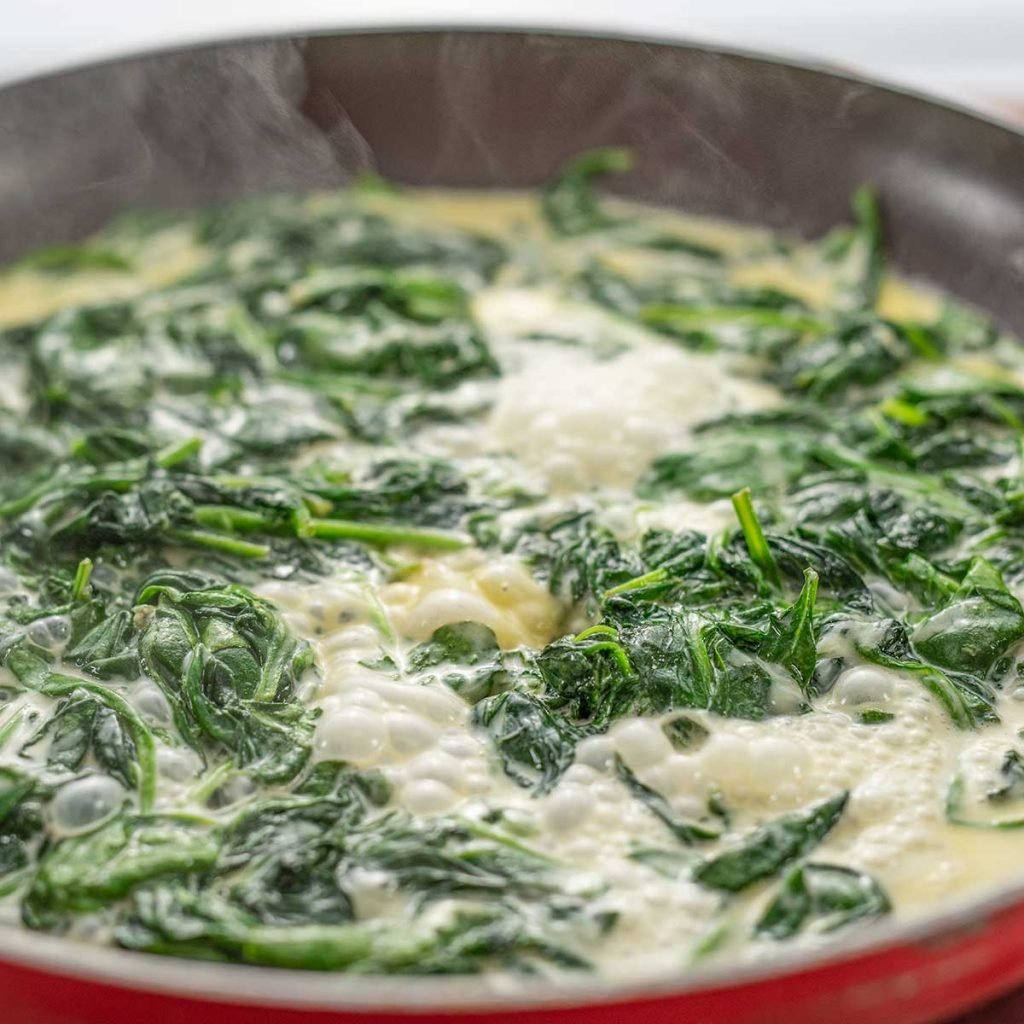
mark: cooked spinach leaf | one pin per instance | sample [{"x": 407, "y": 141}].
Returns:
[
  {"x": 569, "y": 203},
  {"x": 822, "y": 898},
  {"x": 535, "y": 746},
  {"x": 1000, "y": 807},
  {"x": 764, "y": 852},
  {"x": 687, "y": 832},
  {"x": 980, "y": 620}
]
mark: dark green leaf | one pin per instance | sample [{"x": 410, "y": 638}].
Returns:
[
  {"x": 569, "y": 203},
  {"x": 764, "y": 852},
  {"x": 980, "y": 621},
  {"x": 687, "y": 832},
  {"x": 822, "y": 898},
  {"x": 535, "y": 746}
]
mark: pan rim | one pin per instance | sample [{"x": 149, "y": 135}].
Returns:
[
  {"x": 559, "y": 31},
  {"x": 287, "y": 988}
]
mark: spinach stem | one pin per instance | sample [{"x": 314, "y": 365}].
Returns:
[
  {"x": 615, "y": 650},
  {"x": 599, "y": 630},
  {"x": 79, "y": 589},
  {"x": 179, "y": 452},
  {"x": 384, "y": 535},
  {"x": 211, "y": 782},
  {"x": 637, "y": 583},
  {"x": 869, "y": 229},
  {"x": 10, "y": 726},
  {"x": 611, "y": 645},
  {"x": 218, "y": 542},
  {"x": 672, "y": 317},
  {"x": 504, "y": 839},
  {"x": 232, "y": 519},
  {"x": 760, "y": 553}
]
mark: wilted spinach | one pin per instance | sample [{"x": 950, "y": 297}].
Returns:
[
  {"x": 822, "y": 898},
  {"x": 260, "y": 419},
  {"x": 764, "y": 852}
]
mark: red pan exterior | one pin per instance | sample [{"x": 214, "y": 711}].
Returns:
[
  {"x": 913, "y": 983},
  {"x": 716, "y": 133}
]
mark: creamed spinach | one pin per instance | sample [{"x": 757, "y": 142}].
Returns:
[{"x": 400, "y": 582}]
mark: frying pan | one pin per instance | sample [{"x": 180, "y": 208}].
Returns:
[{"x": 721, "y": 133}]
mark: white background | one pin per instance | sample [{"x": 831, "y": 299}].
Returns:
[{"x": 973, "y": 51}]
